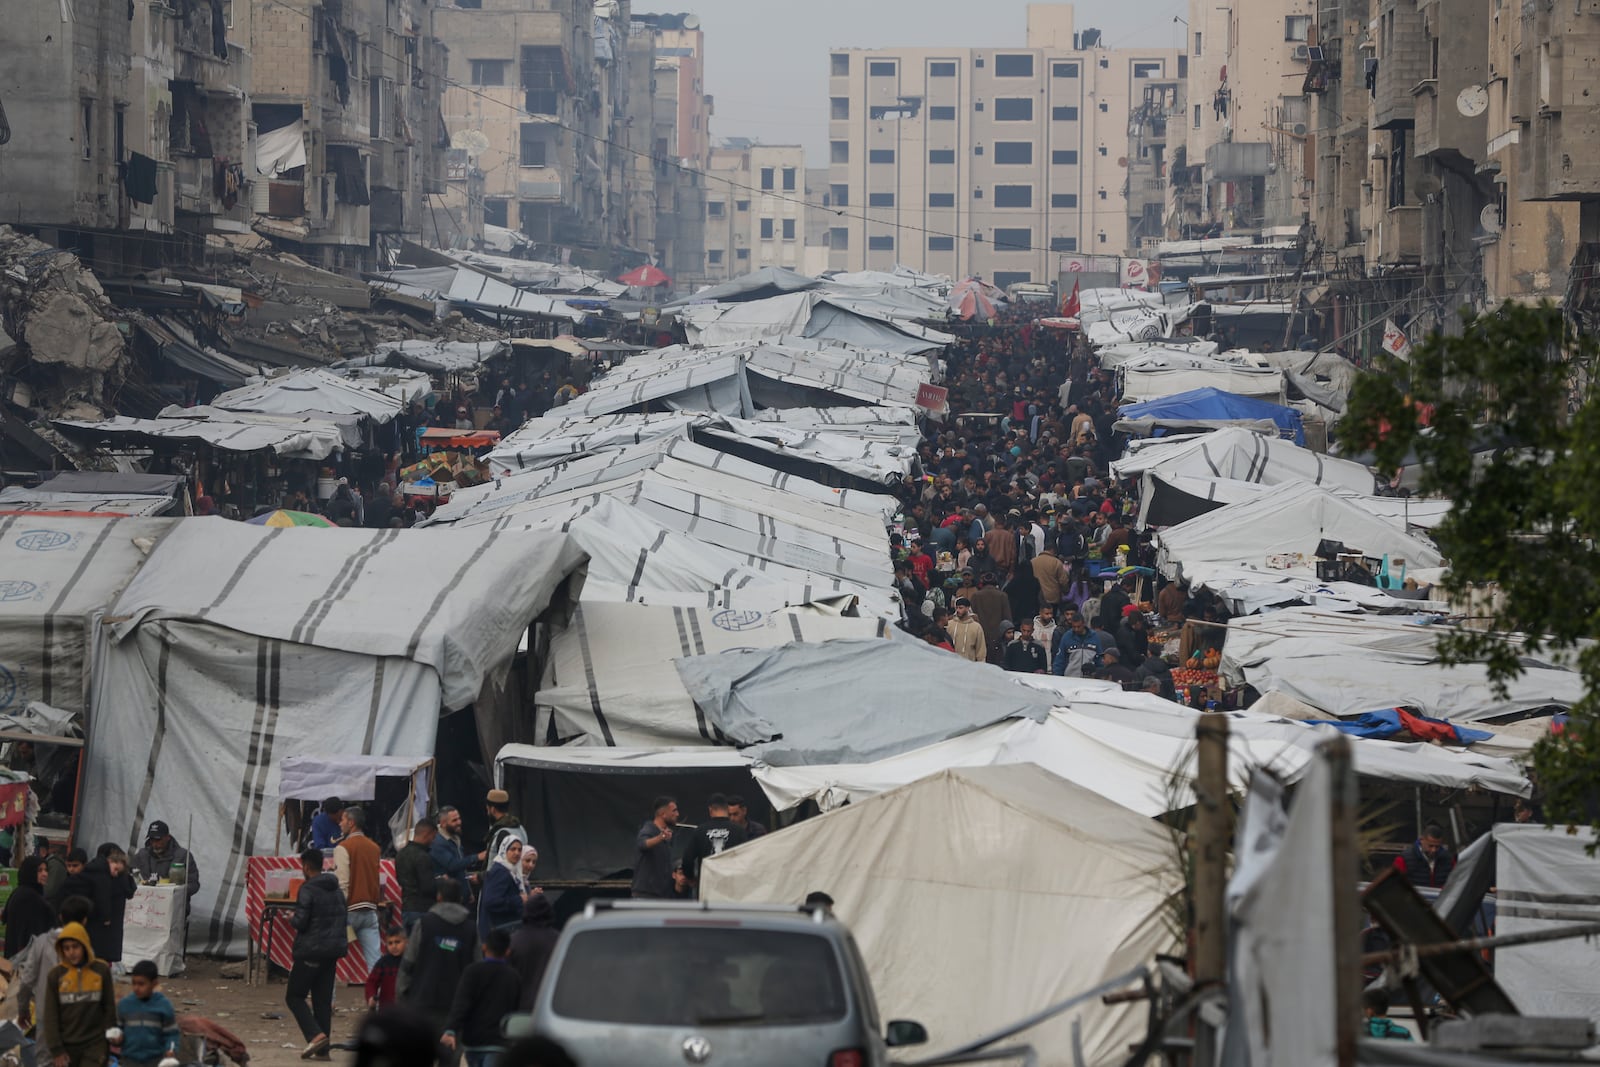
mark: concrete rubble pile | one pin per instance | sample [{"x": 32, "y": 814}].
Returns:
[{"x": 59, "y": 335}]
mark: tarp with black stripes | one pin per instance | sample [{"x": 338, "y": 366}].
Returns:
[
  {"x": 238, "y": 645},
  {"x": 56, "y": 574}
]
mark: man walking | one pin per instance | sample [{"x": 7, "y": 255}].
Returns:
[
  {"x": 652, "y": 866},
  {"x": 319, "y": 944},
  {"x": 413, "y": 869},
  {"x": 355, "y": 863},
  {"x": 161, "y": 854}
]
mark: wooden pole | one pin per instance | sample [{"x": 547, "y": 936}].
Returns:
[
  {"x": 1346, "y": 870},
  {"x": 1213, "y": 834}
]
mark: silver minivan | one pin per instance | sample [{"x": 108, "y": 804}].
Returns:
[{"x": 651, "y": 984}]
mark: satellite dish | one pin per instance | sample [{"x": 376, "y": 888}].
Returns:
[
  {"x": 691, "y": 22},
  {"x": 1472, "y": 101},
  {"x": 1489, "y": 218}
]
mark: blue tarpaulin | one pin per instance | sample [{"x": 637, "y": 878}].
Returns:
[
  {"x": 1214, "y": 404},
  {"x": 1391, "y": 722}
]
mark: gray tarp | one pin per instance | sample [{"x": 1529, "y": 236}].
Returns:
[
  {"x": 757, "y": 285},
  {"x": 806, "y": 704},
  {"x": 103, "y": 483}
]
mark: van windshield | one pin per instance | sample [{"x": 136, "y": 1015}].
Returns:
[{"x": 700, "y": 976}]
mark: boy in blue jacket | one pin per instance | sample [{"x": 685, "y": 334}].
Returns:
[{"x": 147, "y": 1019}]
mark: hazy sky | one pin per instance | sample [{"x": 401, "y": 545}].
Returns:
[{"x": 767, "y": 60}]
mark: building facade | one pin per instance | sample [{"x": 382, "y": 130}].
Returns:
[
  {"x": 680, "y": 146},
  {"x": 989, "y": 162},
  {"x": 755, "y": 209}
]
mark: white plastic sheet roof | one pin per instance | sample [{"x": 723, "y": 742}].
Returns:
[
  {"x": 872, "y": 461},
  {"x": 1240, "y": 455},
  {"x": 767, "y": 281},
  {"x": 477, "y": 290},
  {"x": 1137, "y": 750},
  {"x": 299, "y": 392},
  {"x": 885, "y": 320},
  {"x": 454, "y": 600},
  {"x": 288, "y": 436},
  {"x": 1113, "y": 356},
  {"x": 548, "y": 439},
  {"x": 1349, "y": 665}
]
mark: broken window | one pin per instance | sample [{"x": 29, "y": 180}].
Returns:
[{"x": 349, "y": 174}]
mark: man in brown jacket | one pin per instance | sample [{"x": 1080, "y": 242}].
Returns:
[
  {"x": 1052, "y": 575},
  {"x": 1002, "y": 545},
  {"x": 355, "y": 862}
]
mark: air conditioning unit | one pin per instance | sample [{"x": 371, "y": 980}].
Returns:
[
  {"x": 1299, "y": 129},
  {"x": 1375, "y": 150},
  {"x": 1300, "y": 51}
]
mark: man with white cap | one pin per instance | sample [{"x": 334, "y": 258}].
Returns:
[{"x": 497, "y": 805}]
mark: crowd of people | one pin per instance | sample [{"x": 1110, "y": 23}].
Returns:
[
  {"x": 1017, "y": 547},
  {"x": 64, "y": 925}
]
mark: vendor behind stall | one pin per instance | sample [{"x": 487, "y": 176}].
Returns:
[{"x": 161, "y": 854}]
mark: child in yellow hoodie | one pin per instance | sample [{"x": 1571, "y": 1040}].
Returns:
[{"x": 81, "y": 1003}]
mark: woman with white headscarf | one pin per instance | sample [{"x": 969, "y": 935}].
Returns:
[{"x": 500, "y": 902}]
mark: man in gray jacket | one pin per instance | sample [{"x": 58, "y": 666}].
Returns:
[{"x": 160, "y": 854}]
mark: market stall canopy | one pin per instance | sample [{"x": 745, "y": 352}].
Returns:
[
  {"x": 1308, "y": 654},
  {"x": 757, "y": 285},
  {"x": 298, "y": 392},
  {"x": 993, "y": 874},
  {"x": 82, "y": 492},
  {"x": 287, "y": 436},
  {"x": 102, "y": 483},
  {"x": 971, "y": 299},
  {"x": 450, "y": 437},
  {"x": 62, "y": 572},
  {"x": 609, "y": 677},
  {"x": 317, "y": 777},
  {"x": 1209, "y": 407},
  {"x": 901, "y": 276}
]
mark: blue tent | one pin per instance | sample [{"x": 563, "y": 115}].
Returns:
[{"x": 1207, "y": 405}]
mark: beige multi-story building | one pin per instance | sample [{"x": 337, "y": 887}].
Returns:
[
  {"x": 538, "y": 94},
  {"x": 815, "y": 232},
  {"x": 1248, "y": 122},
  {"x": 755, "y": 209},
  {"x": 990, "y": 162}
]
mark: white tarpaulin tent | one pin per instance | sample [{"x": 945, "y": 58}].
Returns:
[
  {"x": 1243, "y": 456},
  {"x": 238, "y": 645},
  {"x": 1351, "y": 664},
  {"x": 609, "y": 677},
  {"x": 61, "y": 573},
  {"x": 306, "y": 391},
  {"x": 1546, "y": 879},
  {"x": 15, "y": 498},
  {"x": 1164, "y": 497},
  {"x": 979, "y": 896},
  {"x": 883, "y": 321},
  {"x": 430, "y": 356},
  {"x": 1152, "y": 377}
]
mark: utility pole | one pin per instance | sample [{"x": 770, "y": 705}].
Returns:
[
  {"x": 1346, "y": 871},
  {"x": 1213, "y": 834}
]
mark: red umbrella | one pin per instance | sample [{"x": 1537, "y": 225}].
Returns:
[{"x": 645, "y": 277}]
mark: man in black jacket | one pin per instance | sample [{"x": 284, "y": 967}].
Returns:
[
  {"x": 488, "y": 992},
  {"x": 319, "y": 945},
  {"x": 413, "y": 869},
  {"x": 442, "y": 944}
]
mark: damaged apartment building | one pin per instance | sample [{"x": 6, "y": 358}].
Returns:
[
  {"x": 1428, "y": 154},
  {"x": 552, "y": 110},
  {"x": 139, "y": 130}
]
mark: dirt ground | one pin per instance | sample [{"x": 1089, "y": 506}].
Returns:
[{"x": 257, "y": 1013}]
